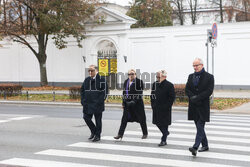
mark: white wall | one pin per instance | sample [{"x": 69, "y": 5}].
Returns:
[{"x": 148, "y": 49}]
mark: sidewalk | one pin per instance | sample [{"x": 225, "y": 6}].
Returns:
[{"x": 243, "y": 109}]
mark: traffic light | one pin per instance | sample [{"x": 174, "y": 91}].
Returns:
[{"x": 209, "y": 35}]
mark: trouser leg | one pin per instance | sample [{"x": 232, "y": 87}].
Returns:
[
  {"x": 88, "y": 119},
  {"x": 144, "y": 127},
  {"x": 123, "y": 125},
  {"x": 164, "y": 131},
  {"x": 200, "y": 134},
  {"x": 98, "y": 121}
]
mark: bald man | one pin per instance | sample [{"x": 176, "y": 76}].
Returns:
[{"x": 199, "y": 88}]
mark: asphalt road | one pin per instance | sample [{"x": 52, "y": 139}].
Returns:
[{"x": 33, "y": 135}]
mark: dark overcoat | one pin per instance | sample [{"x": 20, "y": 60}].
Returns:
[
  {"x": 200, "y": 109},
  {"x": 135, "y": 113},
  {"x": 162, "y": 98},
  {"x": 93, "y": 94}
]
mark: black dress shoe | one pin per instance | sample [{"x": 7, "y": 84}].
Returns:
[
  {"x": 193, "y": 151},
  {"x": 91, "y": 136},
  {"x": 203, "y": 149},
  {"x": 144, "y": 136},
  {"x": 96, "y": 139},
  {"x": 162, "y": 143},
  {"x": 118, "y": 137}
]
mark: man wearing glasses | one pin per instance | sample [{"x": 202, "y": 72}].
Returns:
[
  {"x": 94, "y": 91},
  {"x": 133, "y": 106},
  {"x": 199, "y": 88},
  {"x": 162, "y": 98}
]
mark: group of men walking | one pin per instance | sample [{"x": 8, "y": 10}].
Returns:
[{"x": 199, "y": 88}]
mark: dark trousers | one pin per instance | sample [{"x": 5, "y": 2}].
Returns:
[
  {"x": 164, "y": 131},
  {"x": 201, "y": 137},
  {"x": 95, "y": 129},
  {"x": 124, "y": 125}
]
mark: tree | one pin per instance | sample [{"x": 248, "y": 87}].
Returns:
[
  {"x": 178, "y": 10},
  {"x": 41, "y": 18},
  {"x": 151, "y": 13},
  {"x": 246, "y": 7},
  {"x": 193, "y": 10},
  {"x": 220, "y": 4}
]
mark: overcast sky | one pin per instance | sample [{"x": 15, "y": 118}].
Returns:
[{"x": 120, "y": 2}]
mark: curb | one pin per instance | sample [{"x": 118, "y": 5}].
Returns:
[
  {"x": 147, "y": 107},
  {"x": 174, "y": 108}
]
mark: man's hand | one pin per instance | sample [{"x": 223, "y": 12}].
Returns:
[
  {"x": 130, "y": 103},
  {"x": 194, "y": 99}
]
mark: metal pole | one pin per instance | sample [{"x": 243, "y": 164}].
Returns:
[
  {"x": 213, "y": 60},
  {"x": 27, "y": 95},
  {"x": 54, "y": 96},
  {"x": 207, "y": 53},
  {"x": 212, "y": 100}
]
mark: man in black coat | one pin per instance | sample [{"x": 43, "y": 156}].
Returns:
[
  {"x": 199, "y": 88},
  {"x": 93, "y": 94},
  {"x": 162, "y": 98},
  {"x": 133, "y": 106}
]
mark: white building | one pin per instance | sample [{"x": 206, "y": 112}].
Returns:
[{"x": 147, "y": 49}]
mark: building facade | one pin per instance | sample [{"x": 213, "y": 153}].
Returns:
[{"x": 145, "y": 49}]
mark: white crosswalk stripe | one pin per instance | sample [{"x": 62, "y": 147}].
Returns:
[
  {"x": 231, "y": 120},
  {"x": 191, "y": 136},
  {"x": 43, "y": 163},
  {"x": 14, "y": 119},
  {"x": 125, "y": 158},
  {"x": 219, "y": 123},
  {"x": 231, "y": 117},
  {"x": 229, "y": 144},
  {"x": 161, "y": 151},
  {"x": 183, "y": 143},
  {"x": 209, "y": 132},
  {"x": 246, "y": 129}
]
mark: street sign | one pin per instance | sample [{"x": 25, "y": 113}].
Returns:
[
  {"x": 103, "y": 67},
  {"x": 113, "y": 66},
  {"x": 214, "y": 31}
]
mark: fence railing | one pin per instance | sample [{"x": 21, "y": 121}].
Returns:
[{"x": 57, "y": 96}]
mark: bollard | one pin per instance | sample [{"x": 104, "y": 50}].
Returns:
[
  {"x": 27, "y": 95},
  {"x": 54, "y": 96}
]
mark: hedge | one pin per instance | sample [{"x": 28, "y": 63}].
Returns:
[{"x": 10, "y": 89}]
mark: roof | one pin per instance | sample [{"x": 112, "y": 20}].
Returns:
[{"x": 116, "y": 14}]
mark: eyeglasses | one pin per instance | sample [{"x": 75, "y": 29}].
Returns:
[
  {"x": 158, "y": 77},
  {"x": 196, "y": 65},
  {"x": 131, "y": 74},
  {"x": 91, "y": 70}
]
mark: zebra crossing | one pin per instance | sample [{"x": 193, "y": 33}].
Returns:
[
  {"x": 8, "y": 118},
  {"x": 228, "y": 137}
]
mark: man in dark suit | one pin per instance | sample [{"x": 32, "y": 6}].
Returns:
[
  {"x": 133, "y": 106},
  {"x": 162, "y": 98},
  {"x": 93, "y": 94},
  {"x": 199, "y": 88}
]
